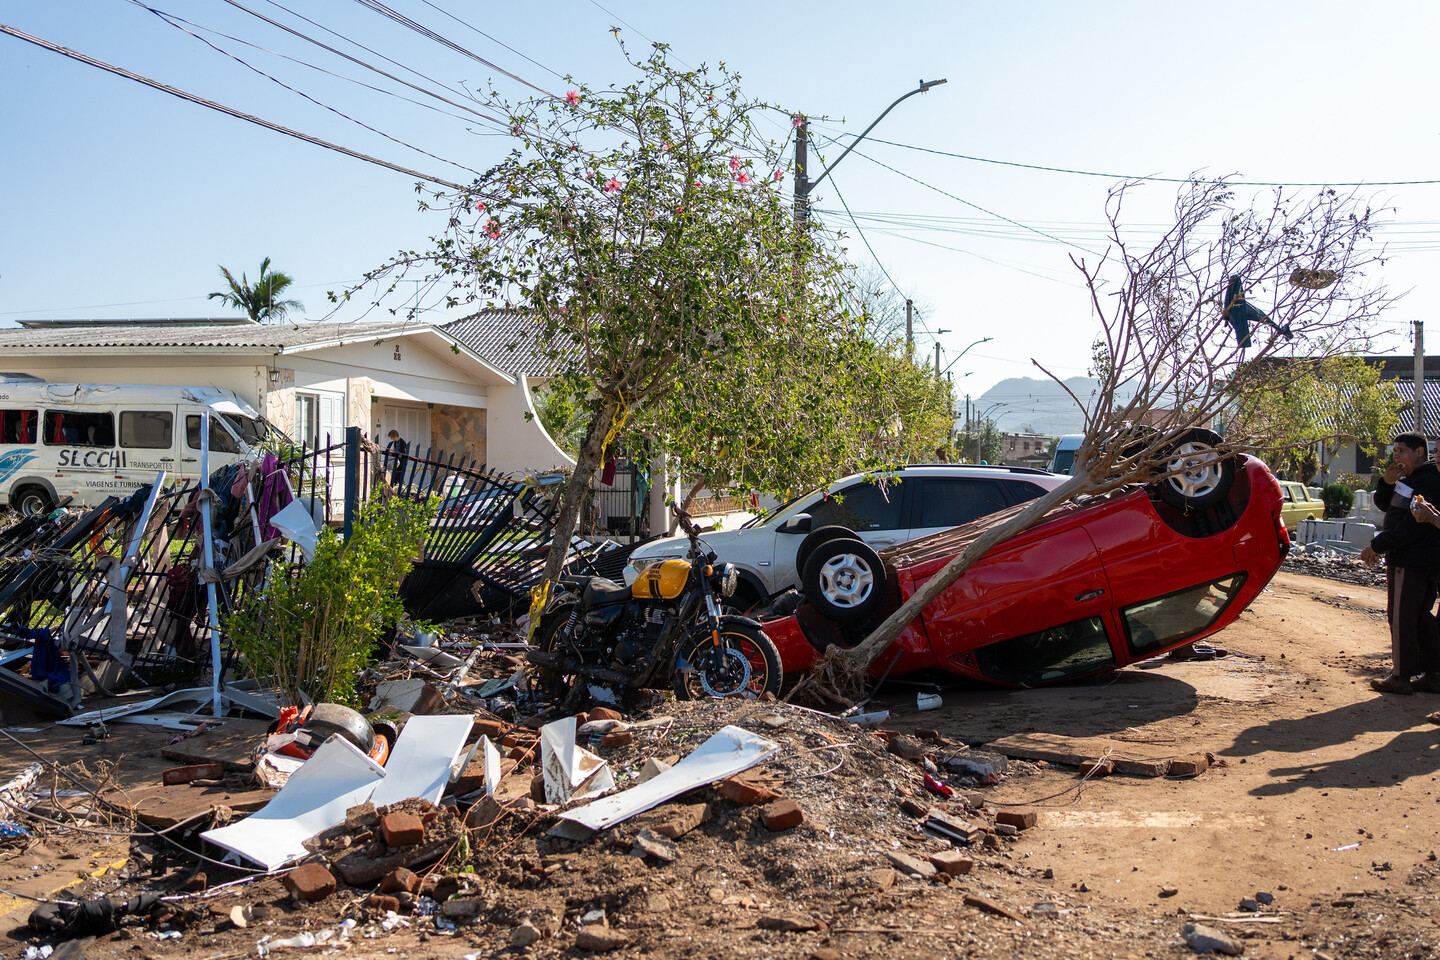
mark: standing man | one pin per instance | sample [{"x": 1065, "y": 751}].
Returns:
[
  {"x": 395, "y": 452},
  {"x": 1412, "y": 559}
]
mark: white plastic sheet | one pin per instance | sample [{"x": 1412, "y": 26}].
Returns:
[
  {"x": 571, "y": 772},
  {"x": 730, "y": 751},
  {"x": 421, "y": 761}
]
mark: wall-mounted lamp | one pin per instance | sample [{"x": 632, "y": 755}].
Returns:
[{"x": 274, "y": 378}]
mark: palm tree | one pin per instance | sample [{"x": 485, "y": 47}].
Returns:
[{"x": 260, "y": 301}]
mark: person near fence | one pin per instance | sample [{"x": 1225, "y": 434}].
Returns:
[
  {"x": 395, "y": 452},
  {"x": 1411, "y": 549}
]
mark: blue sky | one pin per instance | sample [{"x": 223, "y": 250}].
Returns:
[{"x": 120, "y": 201}]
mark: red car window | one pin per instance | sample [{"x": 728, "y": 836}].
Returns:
[
  {"x": 1069, "y": 650},
  {"x": 1171, "y": 619}
]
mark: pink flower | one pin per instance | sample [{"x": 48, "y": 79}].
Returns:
[
  {"x": 796, "y": 120},
  {"x": 565, "y": 310},
  {"x": 572, "y": 98},
  {"x": 734, "y": 163},
  {"x": 479, "y": 206},
  {"x": 779, "y": 174},
  {"x": 679, "y": 209},
  {"x": 697, "y": 183},
  {"x": 612, "y": 185},
  {"x": 665, "y": 146},
  {"x": 492, "y": 229},
  {"x": 743, "y": 177},
  {"x": 574, "y": 146}
]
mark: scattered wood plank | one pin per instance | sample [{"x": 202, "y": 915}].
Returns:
[{"x": 1127, "y": 758}]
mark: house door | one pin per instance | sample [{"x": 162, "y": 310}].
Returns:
[{"x": 412, "y": 422}]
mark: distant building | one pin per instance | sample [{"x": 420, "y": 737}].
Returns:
[{"x": 1025, "y": 449}]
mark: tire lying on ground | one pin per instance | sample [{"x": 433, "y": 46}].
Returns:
[{"x": 844, "y": 580}]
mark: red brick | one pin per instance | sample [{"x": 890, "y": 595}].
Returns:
[
  {"x": 1189, "y": 766},
  {"x": 401, "y": 829},
  {"x": 1097, "y": 768},
  {"x": 310, "y": 882},
  {"x": 746, "y": 791},
  {"x": 383, "y": 903},
  {"x": 605, "y": 713},
  {"x": 400, "y": 879},
  {"x": 199, "y": 771},
  {"x": 682, "y": 820},
  {"x": 537, "y": 788},
  {"x": 1019, "y": 819},
  {"x": 522, "y": 755},
  {"x": 783, "y": 814},
  {"x": 197, "y": 881},
  {"x": 620, "y": 739},
  {"x": 952, "y": 862},
  {"x": 494, "y": 729}
]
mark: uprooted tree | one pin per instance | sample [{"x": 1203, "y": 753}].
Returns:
[
  {"x": 643, "y": 231},
  {"x": 1163, "y": 332}
]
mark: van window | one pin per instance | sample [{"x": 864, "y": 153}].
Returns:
[
  {"x": 147, "y": 429},
  {"x": 220, "y": 439},
  {"x": 18, "y": 426},
  {"x": 68, "y": 428},
  {"x": 251, "y": 430}
]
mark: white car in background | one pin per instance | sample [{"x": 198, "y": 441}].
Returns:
[{"x": 882, "y": 509}]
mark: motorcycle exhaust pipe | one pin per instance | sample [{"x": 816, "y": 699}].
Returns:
[{"x": 551, "y": 661}]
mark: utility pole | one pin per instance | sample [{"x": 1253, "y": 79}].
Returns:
[
  {"x": 909, "y": 327},
  {"x": 937, "y": 359},
  {"x": 802, "y": 174},
  {"x": 1420, "y": 378}
]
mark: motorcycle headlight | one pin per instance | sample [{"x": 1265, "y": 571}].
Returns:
[{"x": 729, "y": 579}]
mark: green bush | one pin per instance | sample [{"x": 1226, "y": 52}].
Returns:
[
  {"x": 1338, "y": 500},
  {"x": 314, "y": 626}
]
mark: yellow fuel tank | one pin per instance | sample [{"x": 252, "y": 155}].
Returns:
[{"x": 661, "y": 581}]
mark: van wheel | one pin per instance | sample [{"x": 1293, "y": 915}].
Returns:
[{"x": 32, "y": 501}]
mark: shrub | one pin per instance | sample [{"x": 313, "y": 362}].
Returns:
[
  {"x": 1338, "y": 500},
  {"x": 314, "y": 626}
]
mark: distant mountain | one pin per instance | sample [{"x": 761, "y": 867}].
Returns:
[{"x": 1041, "y": 404}]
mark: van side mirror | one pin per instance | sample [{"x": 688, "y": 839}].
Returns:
[{"x": 800, "y": 523}]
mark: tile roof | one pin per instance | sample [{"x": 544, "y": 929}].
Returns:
[
  {"x": 508, "y": 338},
  {"x": 275, "y": 336},
  {"x": 1405, "y": 420}
]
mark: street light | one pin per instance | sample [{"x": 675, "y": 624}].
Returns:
[
  {"x": 966, "y": 350},
  {"x": 803, "y": 186}
]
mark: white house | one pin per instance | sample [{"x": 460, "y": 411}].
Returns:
[{"x": 313, "y": 379}]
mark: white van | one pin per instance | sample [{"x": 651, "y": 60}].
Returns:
[
  {"x": 1065, "y": 449},
  {"x": 89, "y": 441}
]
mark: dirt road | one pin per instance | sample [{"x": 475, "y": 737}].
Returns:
[{"x": 1324, "y": 796}]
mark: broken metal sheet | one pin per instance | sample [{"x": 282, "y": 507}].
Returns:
[
  {"x": 315, "y": 798},
  {"x": 236, "y": 693},
  {"x": 399, "y": 695},
  {"x": 422, "y": 759},
  {"x": 571, "y": 772},
  {"x": 492, "y": 765},
  {"x": 730, "y": 751},
  {"x": 432, "y": 655}
]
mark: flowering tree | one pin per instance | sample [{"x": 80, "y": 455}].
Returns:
[
  {"x": 1164, "y": 334},
  {"x": 643, "y": 229}
]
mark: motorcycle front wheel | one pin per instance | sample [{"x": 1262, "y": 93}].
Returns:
[
  {"x": 745, "y": 664},
  {"x": 552, "y": 683}
]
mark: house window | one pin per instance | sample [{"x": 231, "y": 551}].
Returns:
[
  {"x": 147, "y": 429},
  {"x": 66, "y": 428},
  {"x": 18, "y": 426},
  {"x": 307, "y": 419}
]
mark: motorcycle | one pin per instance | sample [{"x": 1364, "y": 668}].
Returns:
[{"x": 666, "y": 629}]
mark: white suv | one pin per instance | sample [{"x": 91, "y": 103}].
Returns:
[{"x": 882, "y": 509}]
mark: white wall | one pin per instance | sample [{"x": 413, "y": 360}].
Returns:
[{"x": 515, "y": 444}]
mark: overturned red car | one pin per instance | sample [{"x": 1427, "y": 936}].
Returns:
[{"x": 1095, "y": 586}]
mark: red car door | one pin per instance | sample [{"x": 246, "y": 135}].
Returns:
[{"x": 1037, "y": 609}]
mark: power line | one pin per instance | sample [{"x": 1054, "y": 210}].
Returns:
[
  {"x": 230, "y": 111},
  {"x": 424, "y": 31},
  {"x": 500, "y": 123},
  {"x": 1152, "y": 179},
  {"x": 492, "y": 39},
  {"x": 176, "y": 23}
]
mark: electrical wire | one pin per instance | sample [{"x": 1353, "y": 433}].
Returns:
[
  {"x": 229, "y": 111},
  {"x": 176, "y": 23},
  {"x": 1151, "y": 179},
  {"x": 499, "y": 122},
  {"x": 429, "y": 34},
  {"x": 487, "y": 36}
]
